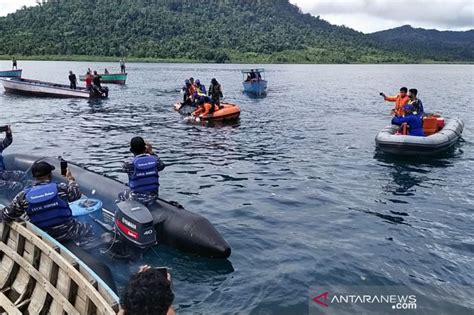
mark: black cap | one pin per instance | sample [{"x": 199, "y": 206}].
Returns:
[
  {"x": 41, "y": 168},
  {"x": 137, "y": 145}
]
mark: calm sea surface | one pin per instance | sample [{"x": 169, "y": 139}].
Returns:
[{"x": 296, "y": 187}]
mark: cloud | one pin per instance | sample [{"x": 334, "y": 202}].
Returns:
[
  {"x": 372, "y": 15},
  {"x": 10, "y": 6}
]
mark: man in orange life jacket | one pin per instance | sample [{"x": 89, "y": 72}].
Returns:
[
  {"x": 142, "y": 170},
  {"x": 204, "y": 109},
  {"x": 400, "y": 101}
]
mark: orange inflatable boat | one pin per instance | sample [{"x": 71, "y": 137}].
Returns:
[{"x": 227, "y": 112}]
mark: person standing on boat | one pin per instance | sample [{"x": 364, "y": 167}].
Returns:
[
  {"x": 46, "y": 205},
  {"x": 96, "y": 80},
  {"x": 122, "y": 65},
  {"x": 14, "y": 64},
  {"x": 89, "y": 81},
  {"x": 72, "y": 80},
  {"x": 400, "y": 101},
  {"x": 415, "y": 102},
  {"x": 200, "y": 88},
  {"x": 106, "y": 71},
  {"x": 215, "y": 92},
  {"x": 189, "y": 91},
  {"x": 142, "y": 170},
  {"x": 413, "y": 120}
]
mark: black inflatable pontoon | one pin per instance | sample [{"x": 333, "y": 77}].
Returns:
[
  {"x": 175, "y": 227},
  {"x": 388, "y": 141}
]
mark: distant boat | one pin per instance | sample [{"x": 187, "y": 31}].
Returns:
[
  {"x": 115, "y": 78},
  {"x": 11, "y": 73},
  {"x": 48, "y": 89},
  {"x": 256, "y": 85}
]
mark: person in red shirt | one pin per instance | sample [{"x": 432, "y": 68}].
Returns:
[
  {"x": 89, "y": 79},
  {"x": 400, "y": 101}
]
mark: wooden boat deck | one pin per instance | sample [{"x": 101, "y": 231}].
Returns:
[{"x": 40, "y": 276}]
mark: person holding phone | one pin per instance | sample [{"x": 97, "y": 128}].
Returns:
[
  {"x": 46, "y": 205},
  {"x": 400, "y": 101},
  {"x": 5, "y": 143},
  {"x": 10, "y": 180},
  {"x": 142, "y": 170},
  {"x": 149, "y": 292}
]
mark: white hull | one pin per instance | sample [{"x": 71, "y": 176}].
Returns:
[{"x": 39, "y": 88}]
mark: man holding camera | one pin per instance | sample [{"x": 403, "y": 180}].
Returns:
[
  {"x": 10, "y": 180},
  {"x": 46, "y": 205},
  {"x": 400, "y": 101}
]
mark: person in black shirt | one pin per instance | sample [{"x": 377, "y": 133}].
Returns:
[
  {"x": 96, "y": 80},
  {"x": 72, "y": 80}
]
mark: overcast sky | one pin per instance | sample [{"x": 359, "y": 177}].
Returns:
[{"x": 367, "y": 15}]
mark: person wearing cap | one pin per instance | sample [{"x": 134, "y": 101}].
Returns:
[
  {"x": 200, "y": 88},
  {"x": 215, "y": 92},
  {"x": 400, "y": 100},
  {"x": 46, "y": 205},
  {"x": 143, "y": 173},
  {"x": 414, "y": 121},
  {"x": 415, "y": 102}
]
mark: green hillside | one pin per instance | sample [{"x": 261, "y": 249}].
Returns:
[
  {"x": 199, "y": 30},
  {"x": 428, "y": 44}
]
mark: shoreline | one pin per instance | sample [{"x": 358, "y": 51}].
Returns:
[{"x": 84, "y": 58}]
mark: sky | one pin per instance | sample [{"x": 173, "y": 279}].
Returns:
[{"x": 366, "y": 15}]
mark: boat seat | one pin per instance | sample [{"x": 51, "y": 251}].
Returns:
[{"x": 430, "y": 125}]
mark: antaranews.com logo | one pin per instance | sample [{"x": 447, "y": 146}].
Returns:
[{"x": 395, "y": 301}]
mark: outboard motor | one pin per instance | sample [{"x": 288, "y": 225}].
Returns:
[{"x": 134, "y": 222}]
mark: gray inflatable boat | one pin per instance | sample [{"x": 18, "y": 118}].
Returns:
[
  {"x": 388, "y": 141},
  {"x": 175, "y": 226}
]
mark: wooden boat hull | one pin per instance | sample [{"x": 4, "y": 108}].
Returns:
[
  {"x": 257, "y": 87},
  {"x": 43, "y": 89},
  {"x": 114, "y": 78},
  {"x": 40, "y": 276},
  {"x": 11, "y": 73}
]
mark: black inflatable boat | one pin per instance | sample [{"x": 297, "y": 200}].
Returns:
[{"x": 173, "y": 225}]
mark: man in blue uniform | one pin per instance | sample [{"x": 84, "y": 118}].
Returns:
[
  {"x": 414, "y": 122},
  {"x": 415, "y": 102},
  {"x": 142, "y": 170},
  {"x": 45, "y": 204},
  {"x": 10, "y": 180}
]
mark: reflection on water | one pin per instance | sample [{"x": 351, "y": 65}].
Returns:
[{"x": 294, "y": 186}]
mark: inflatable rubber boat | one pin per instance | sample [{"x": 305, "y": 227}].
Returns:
[
  {"x": 227, "y": 112},
  {"x": 440, "y": 134},
  {"x": 162, "y": 222}
]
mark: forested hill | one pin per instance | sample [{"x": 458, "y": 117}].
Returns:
[
  {"x": 200, "y": 30},
  {"x": 429, "y": 44}
]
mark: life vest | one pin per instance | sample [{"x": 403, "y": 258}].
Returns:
[
  {"x": 145, "y": 176},
  {"x": 45, "y": 207}
]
